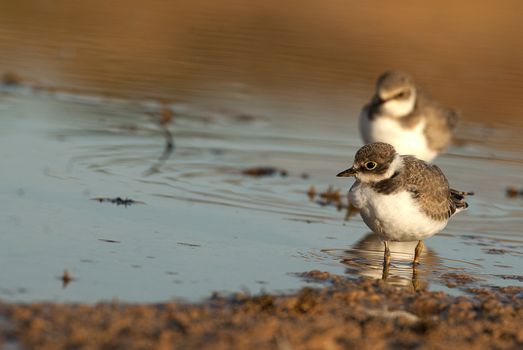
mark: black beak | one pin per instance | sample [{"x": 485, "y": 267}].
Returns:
[
  {"x": 347, "y": 173},
  {"x": 376, "y": 101}
]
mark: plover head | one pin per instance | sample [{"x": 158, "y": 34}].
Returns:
[
  {"x": 395, "y": 94},
  {"x": 374, "y": 162}
]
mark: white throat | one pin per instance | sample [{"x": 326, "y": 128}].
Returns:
[
  {"x": 395, "y": 165},
  {"x": 400, "y": 108}
]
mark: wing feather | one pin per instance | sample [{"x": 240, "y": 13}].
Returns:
[{"x": 429, "y": 187}]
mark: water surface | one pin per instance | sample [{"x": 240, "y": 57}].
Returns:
[{"x": 204, "y": 225}]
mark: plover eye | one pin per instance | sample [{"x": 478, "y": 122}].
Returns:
[
  {"x": 401, "y": 94},
  {"x": 371, "y": 165}
]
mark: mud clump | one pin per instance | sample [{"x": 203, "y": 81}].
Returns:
[
  {"x": 512, "y": 277},
  {"x": 264, "y": 171},
  {"x": 363, "y": 314},
  {"x": 513, "y": 192},
  {"x": 332, "y": 197},
  {"x": 452, "y": 279}
]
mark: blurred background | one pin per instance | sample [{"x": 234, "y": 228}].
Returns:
[{"x": 305, "y": 55}]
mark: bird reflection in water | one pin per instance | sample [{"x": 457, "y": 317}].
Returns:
[{"x": 366, "y": 258}]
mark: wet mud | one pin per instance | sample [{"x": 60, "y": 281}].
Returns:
[
  {"x": 264, "y": 171},
  {"x": 342, "y": 314}
]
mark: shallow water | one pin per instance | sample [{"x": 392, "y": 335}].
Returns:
[
  {"x": 249, "y": 86},
  {"x": 204, "y": 225}
]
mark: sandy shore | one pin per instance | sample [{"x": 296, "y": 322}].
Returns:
[{"x": 364, "y": 314}]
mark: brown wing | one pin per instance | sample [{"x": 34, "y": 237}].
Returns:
[
  {"x": 440, "y": 121},
  {"x": 429, "y": 187}
]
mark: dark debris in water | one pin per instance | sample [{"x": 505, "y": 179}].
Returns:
[
  {"x": 66, "y": 278},
  {"x": 512, "y": 277},
  {"x": 264, "y": 171},
  {"x": 118, "y": 201},
  {"x": 470, "y": 236},
  {"x": 311, "y": 193},
  {"x": 496, "y": 251},
  {"x": 513, "y": 192},
  {"x": 317, "y": 276},
  {"x": 332, "y": 197},
  {"x": 307, "y": 221},
  {"x": 453, "y": 279},
  {"x": 163, "y": 118},
  {"x": 108, "y": 240},
  {"x": 188, "y": 244}
]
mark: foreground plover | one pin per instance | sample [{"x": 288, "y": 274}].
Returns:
[
  {"x": 403, "y": 116},
  {"x": 401, "y": 198}
]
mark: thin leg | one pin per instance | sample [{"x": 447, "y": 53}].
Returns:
[
  {"x": 387, "y": 252},
  {"x": 415, "y": 281},
  {"x": 417, "y": 252},
  {"x": 386, "y": 261}
]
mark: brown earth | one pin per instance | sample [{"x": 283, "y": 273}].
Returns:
[{"x": 363, "y": 314}]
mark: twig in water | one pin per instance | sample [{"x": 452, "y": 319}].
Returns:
[{"x": 166, "y": 117}]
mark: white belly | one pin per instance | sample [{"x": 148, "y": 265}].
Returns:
[
  {"x": 395, "y": 217},
  {"x": 405, "y": 141}
]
